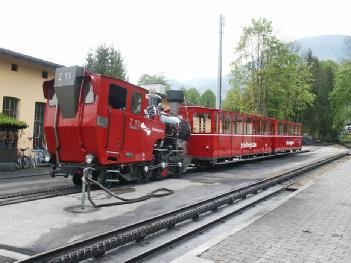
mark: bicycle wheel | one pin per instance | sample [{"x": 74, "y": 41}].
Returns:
[
  {"x": 19, "y": 163},
  {"x": 27, "y": 162}
]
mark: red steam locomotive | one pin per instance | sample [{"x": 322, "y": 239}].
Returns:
[{"x": 123, "y": 132}]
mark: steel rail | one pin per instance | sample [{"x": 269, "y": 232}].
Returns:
[
  {"x": 150, "y": 251},
  {"x": 98, "y": 245},
  {"x": 27, "y": 196}
]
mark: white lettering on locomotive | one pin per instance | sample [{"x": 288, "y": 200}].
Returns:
[
  {"x": 290, "y": 143},
  {"x": 248, "y": 145},
  {"x": 157, "y": 130},
  {"x": 146, "y": 129},
  {"x": 134, "y": 124}
]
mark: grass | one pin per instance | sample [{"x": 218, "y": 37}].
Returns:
[{"x": 345, "y": 137}]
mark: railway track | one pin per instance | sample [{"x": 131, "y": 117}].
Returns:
[
  {"x": 54, "y": 191},
  {"x": 225, "y": 205},
  {"x": 31, "y": 195}
]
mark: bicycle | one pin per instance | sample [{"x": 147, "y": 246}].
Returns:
[
  {"x": 23, "y": 161},
  {"x": 39, "y": 157}
]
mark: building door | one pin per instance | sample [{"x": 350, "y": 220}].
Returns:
[{"x": 38, "y": 132}]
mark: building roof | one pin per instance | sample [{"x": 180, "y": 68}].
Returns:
[{"x": 29, "y": 58}]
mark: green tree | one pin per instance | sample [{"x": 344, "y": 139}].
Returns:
[
  {"x": 153, "y": 79},
  {"x": 106, "y": 60},
  {"x": 341, "y": 96},
  {"x": 208, "y": 99},
  {"x": 268, "y": 78},
  {"x": 192, "y": 96},
  {"x": 318, "y": 117}
]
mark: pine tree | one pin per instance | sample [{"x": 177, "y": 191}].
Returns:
[{"x": 106, "y": 60}]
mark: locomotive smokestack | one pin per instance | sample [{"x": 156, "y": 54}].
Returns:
[
  {"x": 67, "y": 87},
  {"x": 175, "y": 97}
]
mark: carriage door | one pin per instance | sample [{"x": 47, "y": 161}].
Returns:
[{"x": 117, "y": 102}]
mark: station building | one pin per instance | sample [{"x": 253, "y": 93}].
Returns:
[{"x": 21, "y": 93}]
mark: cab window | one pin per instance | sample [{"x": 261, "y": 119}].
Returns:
[
  {"x": 89, "y": 96},
  {"x": 136, "y": 103},
  {"x": 117, "y": 97}
]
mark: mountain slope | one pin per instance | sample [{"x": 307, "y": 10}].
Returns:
[{"x": 325, "y": 47}]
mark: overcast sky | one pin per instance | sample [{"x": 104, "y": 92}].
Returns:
[{"x": 177, "y": 38}]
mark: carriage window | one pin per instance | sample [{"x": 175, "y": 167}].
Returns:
[
  {"x": 88, "y": 92},
  {"x": 269, "y": 128},
  {"x": 215, "y": 122},
  {"x": 117, "y": 97},
  {"x": 258, "y": 127},
  {"x": 290, "y": 131},
  {"x": 280, "y": 128},
  {"x": 227, "y": 124},
  {"x": 220, "y": 123},
  {"x": 136, "y": 103},
  {"x": 237, "y": 125},
  {"x": 249, "y": 126},
  {"x": 297, "y": 130},
  {"x": 202, "y": 122}
]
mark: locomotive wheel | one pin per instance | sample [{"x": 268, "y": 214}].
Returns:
[
  {"x": 103, "y": 177},
  {"x": 178, "y": 171},
  {"x": 77, "y": 179},
  {"x": 139, "y": 173},
  {"x": 161, "y": 173}
]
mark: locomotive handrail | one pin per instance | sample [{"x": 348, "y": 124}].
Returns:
[{"x": 57, "y": 142}]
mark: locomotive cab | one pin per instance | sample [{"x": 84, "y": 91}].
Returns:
[{"x": 102, "y": 122}]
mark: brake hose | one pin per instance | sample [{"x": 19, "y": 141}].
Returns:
[{"x": 153, "y": 194}]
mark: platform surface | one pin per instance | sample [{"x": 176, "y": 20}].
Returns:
[
  {"x": 37, "y": 226},
  {"x": 313, "y": 226}
]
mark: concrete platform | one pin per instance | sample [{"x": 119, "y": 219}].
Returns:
[
  {"x": 32, "y": 227},
  {"x": 314, "y": 225}
]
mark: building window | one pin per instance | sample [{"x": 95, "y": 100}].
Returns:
[
  {"x": 38, "y": 132},
  {"x": 14, "y": 67},
  {"x": 10, "y": 107},
  {"x": 44, "y": 74}
]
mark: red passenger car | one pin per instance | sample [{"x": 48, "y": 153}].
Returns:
[{"x": 221, "y": 136}]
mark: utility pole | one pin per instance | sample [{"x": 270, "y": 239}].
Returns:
[{"x": 219, "y": 77}]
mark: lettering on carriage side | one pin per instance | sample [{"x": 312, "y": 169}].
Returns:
[
  {"x": 248, "y": 145},
  {"x": 289, "y": 143},
  {"x": 146, "y": 129}
]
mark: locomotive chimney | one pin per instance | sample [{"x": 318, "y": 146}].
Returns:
[
  {"x": 67, "y": 86},
  {"x": 175, "y": 97}
]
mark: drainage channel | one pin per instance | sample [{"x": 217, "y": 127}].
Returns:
[{"x": 98, "y": 245}]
